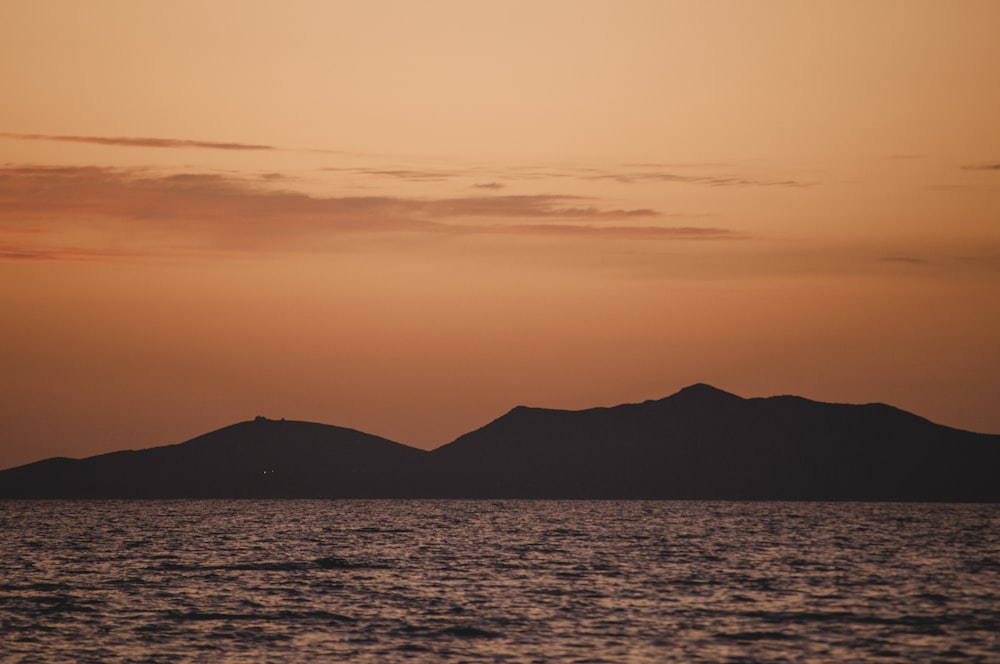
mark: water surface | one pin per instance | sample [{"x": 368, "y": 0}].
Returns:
[{"x": 503, "y": 581}]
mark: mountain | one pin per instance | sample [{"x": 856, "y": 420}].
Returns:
[
  {"x": 706, "y": 443},
  {"x": 700, "y": 443},
  {"x": 260, "y": 458}
]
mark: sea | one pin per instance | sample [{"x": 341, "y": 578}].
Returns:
[{"x": 498, "y": 581}]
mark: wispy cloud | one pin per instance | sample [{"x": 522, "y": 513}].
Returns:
[
  {"x": 139, "y": 142},
  {"x": 537, "y": 206},
  {"x": 938, "y": 262},
  {"x": 631, "y": 177},
  {"x": 627, "y": 174},
  {"x": 578, "y": 230},
  {"x": 409, "y": 174},
  {"x": 982, "y": 167},
  {"x": 187, "y": 199},
  {"x": 137, "y": 194},
  {"x": 120, "y": 211},
  {"x": 13, "y": 252},
  {"x": 714, "y": 175},
  {"x": 679, "y": 164}
]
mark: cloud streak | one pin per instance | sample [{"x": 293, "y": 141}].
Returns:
[
  {"x": 535, "y": 206},
  {"x": 710, "y": 180},
  {"x": 982, "y": 167},
  {"x": 650, "y": 232},
  {"x": 11, "y": 252},
  {"x": 629, "y": 174},
  {"x": 408, "y": 174},
  {"x": 632, "y": 173},
  {"x": 140, "y": 142},
  {"x": 651, "y": 172},
  {"x": 127, "y": 211}
]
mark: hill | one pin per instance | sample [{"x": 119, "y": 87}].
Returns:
[
  {"x": 700, "y": 443},
  {"x": 259, "y": 458},
  {"x": 706, "y": 443}
]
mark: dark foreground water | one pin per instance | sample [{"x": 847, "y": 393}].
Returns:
[{"x": 510, "y": 581}]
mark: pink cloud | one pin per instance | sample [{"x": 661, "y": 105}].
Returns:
[
  {"x": 118, "y": 211},
  {"x": 139, "y": 142}
]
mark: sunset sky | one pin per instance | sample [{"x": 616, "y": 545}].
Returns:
[{"x": 408, "y": 217}]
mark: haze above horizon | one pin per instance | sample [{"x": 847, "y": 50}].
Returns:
[{"x": 406, "y": 218}]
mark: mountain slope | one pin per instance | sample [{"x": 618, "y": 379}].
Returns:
[
  {"x": 261, "y": 458},
  {"x": 706, "y": 443}
]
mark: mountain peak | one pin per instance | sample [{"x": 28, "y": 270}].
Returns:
[{"x": 703, "y": 391}]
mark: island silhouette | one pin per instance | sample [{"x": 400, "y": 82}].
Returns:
[{"x": 700, "y": 443}]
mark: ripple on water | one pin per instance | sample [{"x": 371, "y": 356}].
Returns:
[{"x": 388, "y": 581}]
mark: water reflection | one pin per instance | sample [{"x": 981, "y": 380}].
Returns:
[{"x": 499, "y": 581}]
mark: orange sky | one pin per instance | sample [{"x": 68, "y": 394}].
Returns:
[{"x": 409, "y": 217}]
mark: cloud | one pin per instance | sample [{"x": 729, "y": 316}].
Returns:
[
  {"x": 53, "y": 212},
  {"x": 137, "y": 194},
  {"x": 539, "y": 205},
  {"x": 651, "y": 172},
  {"x": 577, "y": 230},
  {"x": 907, "y": 260},
  {"x": 629, "y": 174},
  {"x": 631, "y": 177},
  {"x": 12, "y": 252},
  {"x": 982, "y": 167},
  {"x": 937, "y": 263},
  {"x": 139, "y": 142},
  {"x": 410, "y": 174},
  {"x": 677, "y": 164},
  {"x": 106, "y": 209},
  {"x": 955, "y": 187}
]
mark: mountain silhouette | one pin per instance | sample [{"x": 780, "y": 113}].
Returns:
[
  {"x": 260, "y": 458},
  {"x": 700, "y": 443},
  {"x": 706, "y": 443}
]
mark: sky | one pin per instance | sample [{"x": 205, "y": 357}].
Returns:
[{"x": 409, "y": 217}]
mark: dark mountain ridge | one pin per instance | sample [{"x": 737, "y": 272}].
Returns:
[
  {"x": 699, "y": 443},
  {"x": 705, "y": 443},
  {"x": 259, "y": 458}
]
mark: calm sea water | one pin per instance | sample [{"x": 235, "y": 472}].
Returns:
[{"x": 509, "y": 581}]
